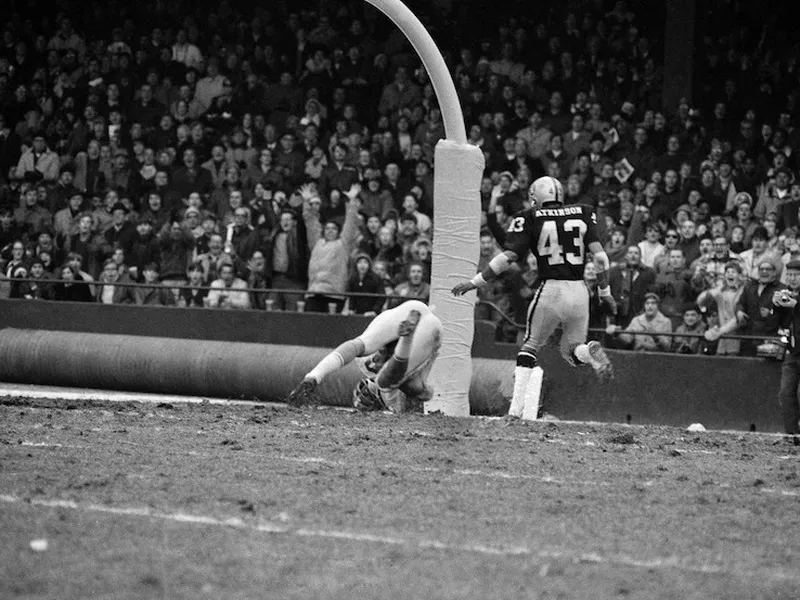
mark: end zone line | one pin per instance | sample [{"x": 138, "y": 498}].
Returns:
[{"x": 668, "y": 562}]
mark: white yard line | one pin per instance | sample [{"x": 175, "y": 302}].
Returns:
[
  {"x": 666, "y": 562},
  {"x": 42, "y": 392}
]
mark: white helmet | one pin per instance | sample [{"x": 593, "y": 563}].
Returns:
[{"x": 546, "y": 190}]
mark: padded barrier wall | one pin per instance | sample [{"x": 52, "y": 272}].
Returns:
[
  {"x": 666, "y": 389},
  {"x": 197, "y": 368}
]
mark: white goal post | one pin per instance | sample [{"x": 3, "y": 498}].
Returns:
[{"x": 458, "y": 168}]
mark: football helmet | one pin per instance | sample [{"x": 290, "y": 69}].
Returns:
[
  {"x": 546, "y": 190},
  {"x": 367, "y": 396}
]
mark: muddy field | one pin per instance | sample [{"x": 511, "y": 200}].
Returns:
[{"x": 130, "y": 500}]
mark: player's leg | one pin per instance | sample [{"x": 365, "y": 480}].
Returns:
[
  {"x": 528, "y": 375},
  {"x": 575, "y": 324},
  {"x": 403, "y": 380},
  {"x": 369, "y": 394},
  {"x": 381, "y": 331}
]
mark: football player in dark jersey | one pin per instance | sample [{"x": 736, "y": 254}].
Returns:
[{"x": 559, "y": 237}]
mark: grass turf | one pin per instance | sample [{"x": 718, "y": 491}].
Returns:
[{"x": 177, "y": 501}]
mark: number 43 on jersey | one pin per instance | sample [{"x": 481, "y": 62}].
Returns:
[{"x": 557, "y": 237}]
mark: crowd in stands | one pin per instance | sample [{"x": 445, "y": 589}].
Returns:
[{"x": 279, "y": 157}]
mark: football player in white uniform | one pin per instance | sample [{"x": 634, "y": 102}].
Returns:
[
  {"x": 559, "y": 237},
  {"x": 396, "y": 353}
]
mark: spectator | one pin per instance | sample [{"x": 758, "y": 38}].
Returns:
[
  {"x": 227, "y": 291},
  {"x": 536, "y": 136},
  {"x": 774, "y": 193},
  {"x": 122, "y": 232},
  {"x": 176, "y": 246},
  {"x": 693, "y": 325},
  {"x": 65, "y": 222},
  {"x": 286, "y": 257},
  {"x": 673, "y": 285},
  {"x": 212, "y": 261},
  {"x": 190, "y": 177},
  {"x": 711, "y": 271},
  {"x": 744, "y": 218},
  {"x": 644, "y": 331},
  {"x": 38, "y": 163},
  {"x": 755, "y": 309},
  {"x": 650, "y": 247},
  {"x": 630, "y": 282},
  {"x": 186, "y": 53},
  {"x": 210, "y": 86},
  {"x": 671, "y": 238},
  {"x": 338, "y": 175},
  {"x": 155, "y": 210},
  {"x": 375, "y": 198},
  {"x": 86, "y": 243},
  {"x": 616, "y": 248},
  {"x": 257, "y": 280},
  {"x": 289, "y": 161},
  {"x": 10, "y": 147},
  {"x": 758, "y": 253},
  {"x": 414, "y": 288},
  {"x": 726, "y": 294},
  {"x": 689, "y": 242},
  {"x": 42, "y": 287},
  {"x": 330, "y": 251},
  {"x": 401, "y": 94},
  {"x": 364, "y": 280},
  {"x": 9, "y": 231},
  {"x": 111, "y": 288},
  {"x": 71, "y": 289},
  {"x": 195, "y": 295},
  {"x": 144, "y": 248},
  {"x": 32, "y": 218},
  {"x": 155, "y": 293}
]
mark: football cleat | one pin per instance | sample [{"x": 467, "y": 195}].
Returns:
[
  {"x": 599, "y": 361},
  {"x": 408, "y": 326},
  {"x": 367, "y": 396},
  {"x": 304, "y": 393},
  {"x": 545, "y": 190}
]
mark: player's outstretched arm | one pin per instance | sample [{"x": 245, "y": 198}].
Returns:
[{"x": 497, "y": 266}]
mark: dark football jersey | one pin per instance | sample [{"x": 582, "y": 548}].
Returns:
[{"x": 557, "y": 236}]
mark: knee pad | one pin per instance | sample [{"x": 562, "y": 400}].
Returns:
[{"x": 527, "y": 359}]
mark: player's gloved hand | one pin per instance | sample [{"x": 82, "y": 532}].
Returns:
[
  {"x": 463, "y": 288},
  {"x": 608, "y": 299}
]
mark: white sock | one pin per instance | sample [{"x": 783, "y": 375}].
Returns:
[
  {"x": 581, "y": 352},
  {"x": 533, "y": 391},
  {"x": 521, "y": 377},
  {"x": 332, "y": 362}
]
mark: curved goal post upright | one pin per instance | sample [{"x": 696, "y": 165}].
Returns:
[{"x": 458, "y": 168}]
